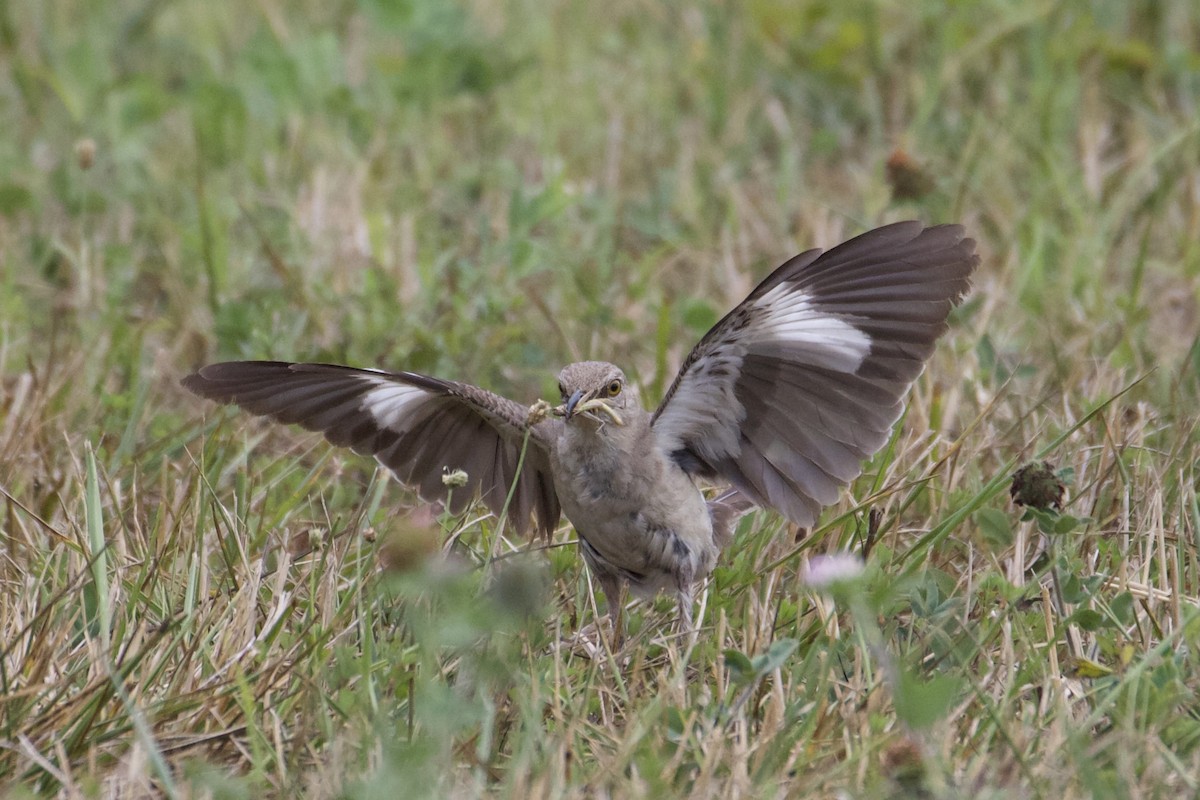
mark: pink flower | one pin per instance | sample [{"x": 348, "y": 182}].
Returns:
[{"x": 822, "y": 572}]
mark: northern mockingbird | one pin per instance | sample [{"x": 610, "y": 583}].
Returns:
[{"x": 782, "y": 400}]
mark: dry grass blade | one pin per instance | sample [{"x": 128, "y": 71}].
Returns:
[{"x": 220, "y": 608}]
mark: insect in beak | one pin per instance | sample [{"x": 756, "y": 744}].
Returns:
[{"x": 577, "y": 405}]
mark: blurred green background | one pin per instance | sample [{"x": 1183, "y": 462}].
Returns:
[{"x": 486, "y": 190}]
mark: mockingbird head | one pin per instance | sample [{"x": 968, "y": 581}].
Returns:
[{"x": 595, "y": 391}]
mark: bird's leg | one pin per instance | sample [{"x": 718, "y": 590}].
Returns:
[
  {"x": 685, "y": 579},
  {"x": 685, "y": 610},
  {"x": 687, "y": 623},
  {"x": 611, "y": 586}
]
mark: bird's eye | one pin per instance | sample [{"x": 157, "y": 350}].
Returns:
[
  {"x": 562, "y": 391},
  {"x": 614, "y": 389}
]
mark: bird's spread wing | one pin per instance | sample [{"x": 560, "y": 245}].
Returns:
[
  {"x": 787, "y": 394},
  {"x": 418, "y": 427}
]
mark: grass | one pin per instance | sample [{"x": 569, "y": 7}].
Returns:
[{"x": 194, "y": 604}]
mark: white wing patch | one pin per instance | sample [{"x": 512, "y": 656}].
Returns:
[
  {"x": 392, "y": 404},
  {"x": 785, "y": 324},
  {"x": 785, "y": 315}
]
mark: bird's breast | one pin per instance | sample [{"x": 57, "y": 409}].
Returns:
[{"x": 635, "y": 511}]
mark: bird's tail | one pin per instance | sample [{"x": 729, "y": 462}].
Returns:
[{"x": 726, "y": 509}]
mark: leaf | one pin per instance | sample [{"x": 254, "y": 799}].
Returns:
[
  {"x": 1046, "y": 520},
  {"x": 995, "y": 527},
  {"x": 1126, "y": 654},
  {"x": 1122, "y": 608},
  {"x": 14, "y": 198},
  {"x": 921, "y": 703},
  {"x": 1088, "y": 619},
  {"x": 221, "y": 120},
  {"x": 1083, "y": 668},
  {"x": 739, "y": 664},
  {"x": 96, "y": 596},
  {"x": 745, "y": 669},
  {"x": 776, "y": 654},
  {"x": 985, "y": 351},
  {"x": 1067, "y": 523},
  {"x": 676, "y": 724},
  {"x": 699, "y": 315},
  {"x": 1073, "y": 590}
]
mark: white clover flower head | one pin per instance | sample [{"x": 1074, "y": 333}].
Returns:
[
  {"x": 822, "y": 573},
  {"x": 454, "y": 479}
]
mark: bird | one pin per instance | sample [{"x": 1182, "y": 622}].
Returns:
[{"x": 779, "y": 404}]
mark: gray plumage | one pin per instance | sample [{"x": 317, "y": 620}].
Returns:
[{"x": 783, "y": 399}]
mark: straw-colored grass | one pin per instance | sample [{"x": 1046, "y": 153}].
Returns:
[{"x": 197, "y": 604}]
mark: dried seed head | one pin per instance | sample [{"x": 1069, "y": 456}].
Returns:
[
  {"x": 1038, "y": 486},
  {"x": 85, "y": 153}
]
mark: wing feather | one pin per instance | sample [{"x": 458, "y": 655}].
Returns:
[
  {"x": 415, "y": 425},
  {"x": 796, "y": 386}
]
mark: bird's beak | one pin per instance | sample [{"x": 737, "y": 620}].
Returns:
[{"x": 571, "y": 403}]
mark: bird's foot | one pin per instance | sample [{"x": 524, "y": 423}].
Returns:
[
  {"x": 587, "y": 641},
  {"x": 595, "y": 641}
]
